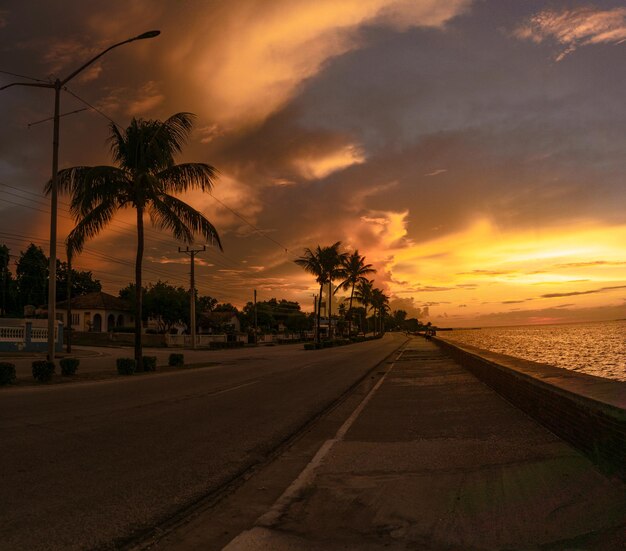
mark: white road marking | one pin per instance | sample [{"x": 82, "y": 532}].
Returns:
[{"x": 306, "y": 477}]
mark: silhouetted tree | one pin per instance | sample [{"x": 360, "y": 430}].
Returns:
[
  {"x": 355, "y": 272},
  {"x": 146, "y": 180},
  {"x": 363, "y": 293},
  {"x": 31, "y": 273},
  {"x": 325, "y": 264}
]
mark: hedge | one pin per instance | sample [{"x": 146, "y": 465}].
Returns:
[
  {"x": 69, "y": 366},
  {"x": 7, "y": 373},
  {"x": 125, "y": 366},
  {"x": 43, "y": 370},
  {"x": 149, "y": 363},
  {"x": 176, "y": 360}
]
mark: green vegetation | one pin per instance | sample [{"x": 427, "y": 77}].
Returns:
[
  {"x": 7, "y": 373},
  {"x": 126, "y": 366},
  {"x": 43, "y": 370},
  {"x": 176, "y": 360},
  {"x": 69, "y": 366},
  {"x": 149, "y": 363}
]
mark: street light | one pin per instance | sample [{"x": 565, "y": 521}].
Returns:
[{"x": 57, "y": 85}]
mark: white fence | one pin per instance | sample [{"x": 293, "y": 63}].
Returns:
[
  {"x": 26, "y": 334},
  {"x": 185, "y": 340}
]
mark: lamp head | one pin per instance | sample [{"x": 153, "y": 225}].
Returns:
[{"x": 149, "y": 34}]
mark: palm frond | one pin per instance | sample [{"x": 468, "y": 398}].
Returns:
[
  {"x": 90, "y": 226},
  {"x": 182, "y": 177},
  {"x": 168, "y": 212}
]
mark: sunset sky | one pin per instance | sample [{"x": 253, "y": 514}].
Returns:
[{"x": 473, "y": 150}]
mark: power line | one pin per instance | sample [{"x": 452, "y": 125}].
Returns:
[
  {"x": 241, "y": 217},
  {"x": 24, "y": 76},
  {"x": 93, "y": 107}
]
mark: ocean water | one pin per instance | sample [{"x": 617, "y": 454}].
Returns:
[{"x": 597, "y": 348}]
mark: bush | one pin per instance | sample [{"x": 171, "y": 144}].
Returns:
[
  {"x": 43, "y": 370},
  {"x": 311, "y": 346},
  {"x": 149, "y": 363},
  {"x": 69, "y": 366},
  {"x": 7, "y": 373},
  {"x": 126, "y": 366},
  {"x": 176, "y": 360}
]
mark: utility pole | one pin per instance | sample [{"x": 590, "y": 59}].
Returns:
[
  {"x": 57, "y": 86},
  {"x": 192, "y": 290}
]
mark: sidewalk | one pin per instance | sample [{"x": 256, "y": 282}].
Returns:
[{"x": 437, "y": 460}]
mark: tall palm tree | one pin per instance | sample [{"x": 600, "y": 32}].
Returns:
[
  {"x": 336, "y": 271},
  {"x": 325, "y": 264},
  {"x": 379, "y": 303},
  {"x": 356, "y": 270},
  {"x": 363, "y": 293},
  {"x": 146, "y": 179}
]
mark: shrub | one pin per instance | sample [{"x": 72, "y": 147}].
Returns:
[
  {"x": 69, "y": 366},
  {"x": 125, "y": 366},
  {"x": 176, "y": 360},
  {"x": 43, "y": 370},
  {"x": 149, "y": 363},
  {"x": 7, "y": 373},
  {"x": 310, "y": 346}
]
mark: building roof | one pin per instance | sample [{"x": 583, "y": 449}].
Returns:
[{"x": 97, "y": 301}]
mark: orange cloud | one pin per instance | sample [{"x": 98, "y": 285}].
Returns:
[
  {"x": 255, "y": 61},
  {"x": 576, "y": 27}
]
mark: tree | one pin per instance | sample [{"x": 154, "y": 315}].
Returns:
[
  {"x": 205, "y": 303},
  {"x": 355, "y": 272},
  {"x": 324, "y": 263},
  {"x": 31, "y": 273},
  {"x": 379, "y": 303},
  {"x": 363, "y": 293},
  {"x": 82, "y": 282},
  {"x": 399, "y": 318},
  {"x": 146, "y": 180},
  {"x": 166, "y": 304},
  {"x": 7, "y": 291}
]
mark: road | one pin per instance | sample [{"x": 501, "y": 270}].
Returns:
[{"x": 90, "y": 464}]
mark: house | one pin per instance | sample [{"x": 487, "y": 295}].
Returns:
[
  {"x": 219, "y": 321},
  {"x": 97, "y": 312}
]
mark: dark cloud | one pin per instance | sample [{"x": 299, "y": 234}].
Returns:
[{"x": 590, "y": 292}]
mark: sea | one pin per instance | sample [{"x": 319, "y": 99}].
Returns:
[{"x": 596, "y": 348}]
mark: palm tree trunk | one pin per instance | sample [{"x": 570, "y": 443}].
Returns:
[
  {"x": 68, "y": 310},
  {"x": 350, "y": 312},
  {"x": 138, "y": 290},
  {"x": 330, "y": 302},
  {"x": 319, "y": 310}
]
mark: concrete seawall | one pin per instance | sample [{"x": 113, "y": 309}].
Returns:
[{"x": 588, "y": 412}]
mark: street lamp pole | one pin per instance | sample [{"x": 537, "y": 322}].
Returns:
[{"x": 58, "y": 85}]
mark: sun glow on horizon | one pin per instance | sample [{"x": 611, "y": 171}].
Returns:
[{"x": 468, "y": 275}]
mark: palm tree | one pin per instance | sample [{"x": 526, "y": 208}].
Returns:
[
  {"x": 325, "y": 264},
  {"x": 363, "y": 293},
  {"x": 336, "y": 270},
  {"x": 379, "y": 303},
  {"x": 146, "y": 179},
  {"x": 356, "y": 270}
]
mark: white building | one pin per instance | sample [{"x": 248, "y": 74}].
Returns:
[{"x": 97, "y": 312}]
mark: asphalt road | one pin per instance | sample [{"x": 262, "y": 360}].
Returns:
[{"x": 87, "y": 465}]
